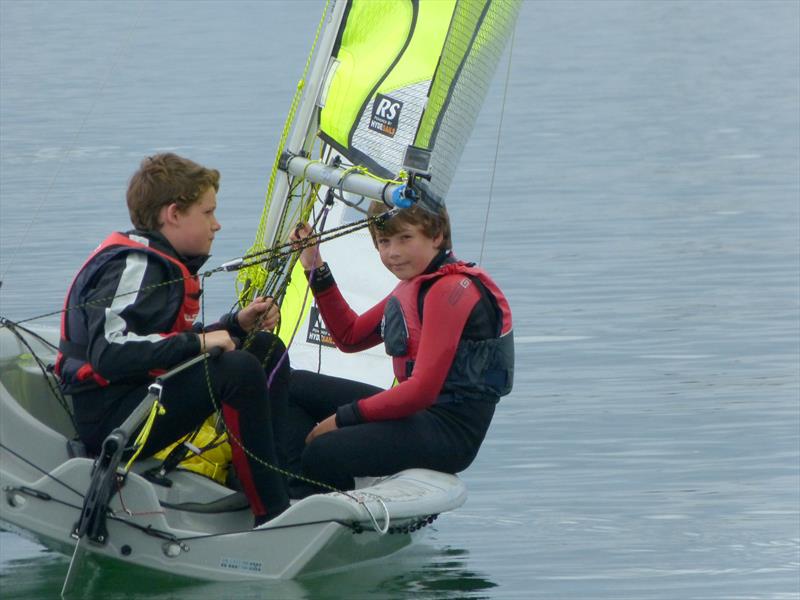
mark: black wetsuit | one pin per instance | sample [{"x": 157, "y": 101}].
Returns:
[
  {"x": 415, "y": 424},
  {"x": 124, "y": 337}
]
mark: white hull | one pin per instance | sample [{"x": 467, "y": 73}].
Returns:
[{"x": 149, "y": 529}]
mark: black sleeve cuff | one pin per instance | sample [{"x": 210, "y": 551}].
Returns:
[
  {"x": 230, "y": 323},
  {"x": 322, "y": 278},
  {"x": 348, "y": 414},
  {"x": 193, "y": 342}
]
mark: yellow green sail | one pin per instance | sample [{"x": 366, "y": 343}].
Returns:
[
  {"x": 412, "y": 72},
  {"x": 389, "y": 74}
]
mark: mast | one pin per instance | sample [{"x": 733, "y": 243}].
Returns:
[{"x": 301, "y": 136}]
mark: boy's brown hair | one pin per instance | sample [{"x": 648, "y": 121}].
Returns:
[
  {"x": 431, "y": 224},
  {"x": 163, "y": 179}
]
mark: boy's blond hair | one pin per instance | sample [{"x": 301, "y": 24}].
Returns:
[
  {"x": 429, "y": 223},
  {"x": 161, "y": 180}
]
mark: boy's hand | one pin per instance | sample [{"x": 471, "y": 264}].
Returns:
[
  {"x": 262, "y": 313},
  {"x": 322, "y": 427},
  {"x": 216, "y": 339},
  {"x": 310, "y": 257}
]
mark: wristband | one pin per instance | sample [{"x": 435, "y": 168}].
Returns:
[{"x": 321, "y": 278}]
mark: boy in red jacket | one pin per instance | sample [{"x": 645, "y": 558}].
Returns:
[{"x": 447, "y": 327}]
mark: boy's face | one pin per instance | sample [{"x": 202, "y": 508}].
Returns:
[
  {"x": 408, "y": 252},
  {"x": 192, "y": 232}
]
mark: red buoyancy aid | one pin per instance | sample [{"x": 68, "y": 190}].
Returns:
[
  {"x": 480, "y": 368},
  {"x": 72, "y": 364}
]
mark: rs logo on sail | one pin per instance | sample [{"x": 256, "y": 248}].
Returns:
[{"x": 385, "y": 115}]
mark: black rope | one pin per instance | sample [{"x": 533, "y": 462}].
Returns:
[
  {"x": 54, "y": 389},
  {"x": 355, "y": 526},
  {"x": 41, "y": 470},
  {"x": 11, "y": 324},
  {"x": 278, "y": 251}
]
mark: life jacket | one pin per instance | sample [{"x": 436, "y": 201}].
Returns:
[
  {"x": 211, "y": 452},
  {"x": 481, "y": 369},
  {"x": 72, "y": 365}
]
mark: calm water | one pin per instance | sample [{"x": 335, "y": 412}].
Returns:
[{"x": 644, "y": 223}]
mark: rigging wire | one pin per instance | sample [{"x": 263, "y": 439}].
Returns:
[
  {"x": 497, "y": 146},
  {"x": 51, "y": 384},
  {"x": 150, "y": 530},
  {"x": 41, "y": 470},
  {"x": 278, "y": 251}
]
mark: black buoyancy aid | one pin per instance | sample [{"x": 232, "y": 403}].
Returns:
[
  {"x": 481, "y": 368},
  {"x": 72, "y": 365}
]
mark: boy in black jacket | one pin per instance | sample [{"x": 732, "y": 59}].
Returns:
[{"x": 129, "y": 315}]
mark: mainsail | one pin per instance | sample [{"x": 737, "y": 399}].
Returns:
[
  {"x": 412, "y": 73},
  {"x": 386, "y": 75}
]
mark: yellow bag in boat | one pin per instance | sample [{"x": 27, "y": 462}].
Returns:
[{"x": 215, "y": 457}]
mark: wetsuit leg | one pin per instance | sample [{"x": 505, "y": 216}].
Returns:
[
  {"x": 437, "y": 438},
  {"x": 99, "y": 411},
  {"x": 271, "y": 353},
  {"x": 320, "y": 395},
  {"x": 236, "y": 383},
  {"x": 312, "y": 398}
]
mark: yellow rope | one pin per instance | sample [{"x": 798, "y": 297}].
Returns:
[
  {"x": 401, "y": 177},
  {"x": 156, "y": 410}
]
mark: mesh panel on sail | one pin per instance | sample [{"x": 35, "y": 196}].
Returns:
[{"x": 477, "y": 37}]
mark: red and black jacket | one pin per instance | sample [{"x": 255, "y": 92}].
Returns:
[
  {"x": 481, "y": 368},
  {"x": 451, "y": 318},
  {"x": 129, "y": 313}
]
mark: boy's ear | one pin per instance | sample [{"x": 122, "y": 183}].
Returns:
[
  {"x": 169, "y": 214},
  {"x": 438, "y": 239}
]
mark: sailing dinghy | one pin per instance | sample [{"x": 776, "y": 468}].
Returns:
[
  {"x": 195, "y": 527},
  {"x": 389, "y": 98}
]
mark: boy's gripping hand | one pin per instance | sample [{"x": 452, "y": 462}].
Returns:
[
  {"x": 216, "y": 339},
  {"x": 310, "y": 257},
  {"x": 262, "y": 314}
]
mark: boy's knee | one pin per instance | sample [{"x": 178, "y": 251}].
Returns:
[
  {"x": 323, "y": 466},
  {"x": 238, "y": 363},
  {"x": 241, "y": 376},
  {"x": 264, "y": 343}
]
